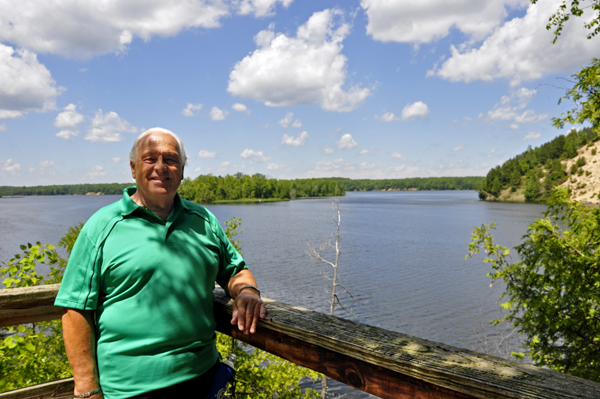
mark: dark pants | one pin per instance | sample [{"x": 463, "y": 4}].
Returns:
[{"x": 194, "y": 388}]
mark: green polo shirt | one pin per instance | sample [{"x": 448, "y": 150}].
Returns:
[{"x": 151, "y": 285}]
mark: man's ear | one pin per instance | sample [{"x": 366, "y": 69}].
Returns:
[{"x": 132, "y": 165}]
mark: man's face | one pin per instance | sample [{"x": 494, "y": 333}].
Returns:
[{"x": 157, "y": 169}]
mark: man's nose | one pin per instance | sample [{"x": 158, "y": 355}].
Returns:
[{"x": 160, "y": 164}]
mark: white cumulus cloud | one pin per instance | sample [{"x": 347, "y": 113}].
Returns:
[
  {"x": 217, "y": 114},
  {"x": 240, "y": 108},
  {"x": 415, "y": 110},
  {"x": 81, "y": 29},
  {"x": 191, "y": 109},
  {"x": 207, "y": 154},
  {"x": 273, "y": 166},
  {"x": 260, "y": 8},
  {"x": 26, "y": 84},
  {"x": 346, "y": 142},
  {"x": 328, "y": 150},
  {"x": 532, "y": 136},
  {"x": 458, "y": 147},
  {"x": 68, "y": 121},
  {"x": 297, "y": 141},
  {"x": 512, "y": 109},
  {"x": 108, "y": 127},
  {"x": 306, "y": 69},
  {"x": 387, "y": 117},
  {"x": 10, "y": 167},
  {"x": 257, "y": 156},
  {"x": 289, "y": 119},
  {"x": 521, "y": 49},
  {"x": 3, "y": 127},
  {"x": 423, "y": 21}
]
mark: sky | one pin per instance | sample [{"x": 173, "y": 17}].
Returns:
[{"x": 286, "y": 88}]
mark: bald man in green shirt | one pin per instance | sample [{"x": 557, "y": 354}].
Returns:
[{"x": 138, "y": 289}]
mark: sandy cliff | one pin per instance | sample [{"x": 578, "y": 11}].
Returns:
[{"x": 585, "y": 184}]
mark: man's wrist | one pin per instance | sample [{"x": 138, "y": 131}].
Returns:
[
  {"x": 250, "y": 286},
  {"x": 88, "y": 394}
]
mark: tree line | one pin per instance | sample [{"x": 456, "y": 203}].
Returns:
[
  {"x": 538, "y": 170},
  {"x": 209, "y": 188},
  {"x": 65, "y": 189},
  {"x": 414, "y": 183}
]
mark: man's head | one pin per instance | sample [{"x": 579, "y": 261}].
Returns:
[
  {"x": 157, "y": 160},
  {"x": 180, "y": 148}
]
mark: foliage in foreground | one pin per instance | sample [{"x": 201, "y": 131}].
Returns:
[
  {"x": 565, "y": 11},
  {"x": 554, "y": 290},
  {"x": 35, "y": 353}
]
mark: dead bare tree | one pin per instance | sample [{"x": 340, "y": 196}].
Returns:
[{"x": 331, "y": 243}]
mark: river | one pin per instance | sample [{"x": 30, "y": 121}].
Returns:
[{"x": 403, "y": 255}]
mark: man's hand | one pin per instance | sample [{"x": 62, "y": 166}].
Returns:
[{"x": 247, "y": 308}]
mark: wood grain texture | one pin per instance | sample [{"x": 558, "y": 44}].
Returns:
[
  {"x": 28, "y": 305},
  {"x": 61, "y": 389},
  {"x": 385, "y": 363},
  {"x": 429, "y": 363}
]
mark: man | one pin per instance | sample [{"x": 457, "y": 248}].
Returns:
[{"x": 137, "y": 291}]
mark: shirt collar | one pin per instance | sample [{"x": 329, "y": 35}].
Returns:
[{"x": 128, "y": 206}]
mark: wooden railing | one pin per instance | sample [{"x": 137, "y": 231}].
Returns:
[{"x": 384, "y": 363}]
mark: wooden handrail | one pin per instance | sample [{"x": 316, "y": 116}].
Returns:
[{"x": 384, "y": 363}]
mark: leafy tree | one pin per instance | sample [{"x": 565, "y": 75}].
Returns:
[
  {"x": 553, "y": 291},
  {"x": 496, "y": 186},
  {"x": 585, "y": 95},
  {"x": 532, "y": 190},
  {"x": 515, "y": 178},
  {"x": 34, "y": 353},
  {"x": 565, "y": 12}
]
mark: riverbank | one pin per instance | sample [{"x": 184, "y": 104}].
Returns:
[{"x": 249, "y": 201}]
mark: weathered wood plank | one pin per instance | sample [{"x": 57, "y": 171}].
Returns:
[
  {"x": 455, "y": 369},
  {"x": 61, "y": 389},
  {"x": 28, "y": 305},
  {"x": 382, "y": 362},
  {"x": 375, "y": 380}
]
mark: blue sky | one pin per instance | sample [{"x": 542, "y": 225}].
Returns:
[{"x": 286, "y": 88}]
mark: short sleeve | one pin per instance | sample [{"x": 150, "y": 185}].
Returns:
[
  {"x": 81, "y": 282},
  {"x": 230, "y": 261}
]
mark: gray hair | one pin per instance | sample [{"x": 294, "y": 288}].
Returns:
[{"x": 180, "y": 149}]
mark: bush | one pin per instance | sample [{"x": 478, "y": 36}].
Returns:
[{"x": 554, "y": 290}]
